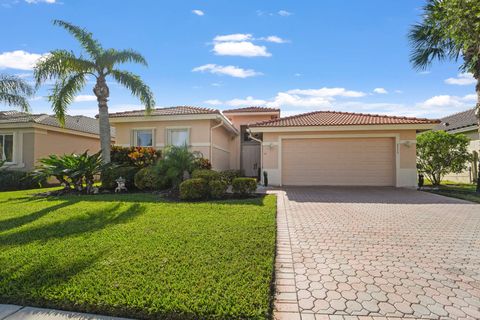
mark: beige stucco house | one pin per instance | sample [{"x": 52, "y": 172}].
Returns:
[
  {"x": 317, "y": 148},
  {"x": 466, "y": 123},
  {"x": 25, "y": 138}
]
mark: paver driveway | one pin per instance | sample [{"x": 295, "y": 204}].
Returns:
[{"x": 376, "y": 252}]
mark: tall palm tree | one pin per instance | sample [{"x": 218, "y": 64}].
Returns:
[
  {"x": 449, "y": 30},
  {"x": 15, "y": 92},
  {"x": 71, "y": 72}
]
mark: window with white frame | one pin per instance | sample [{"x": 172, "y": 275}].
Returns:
[
  {"x": 143, "y": 138},
  {"x": 178, "y": 136},
  {"x": 6, "y": 147}
]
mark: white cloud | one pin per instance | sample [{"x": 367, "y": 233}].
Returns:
[
  {"x": 284, "y": 13},
  {"x": 85, "y": 98},
  {"x": 198, "y": 12},
  {"x": 213, "y": 102},
  {"x": 380, "y": 90},
  {"x": 327, "y": 92},
  {"x": 248, "y": 101},
  {"x": 274, "y": 39},
  {"x": 297, "y": 74},
  {"x": 233, "y": 37},
  {"x": 424, "y": 72},
  {"x": 41, "y": 1},
  {"x": 232, "y": 71},
  {"x": 398, "y": 91},
  {"x": 470, "y": 97},
  {"x": 18, "y": 59},
  {"x": 462, "y": 79},
  {"x": 242, "y": 49}
]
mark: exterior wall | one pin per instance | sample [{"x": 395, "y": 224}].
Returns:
[
  {"x": 406, "y": 172},
  {"x": 199, "y": 133},
  {"x": 221, "y": 151},
  {"x": 47, "y": 142},
  {"x": 237, "y": 121}
]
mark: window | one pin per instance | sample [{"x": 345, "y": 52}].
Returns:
[
  {"x": 178, "y": 137},
  {"x": 6, "y": 147},
  {"x": 246, "y": 136},
  {"x": 143, "y": 138}
]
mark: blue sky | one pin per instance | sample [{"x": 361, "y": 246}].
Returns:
[{"x": 301, "y": 56}]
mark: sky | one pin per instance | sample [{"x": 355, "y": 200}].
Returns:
[{"x": 299, "y": 56}]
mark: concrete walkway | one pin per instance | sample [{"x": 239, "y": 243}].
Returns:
[
  {"x": 13, "y": 312},
  {"x": 376, "y": 253}
]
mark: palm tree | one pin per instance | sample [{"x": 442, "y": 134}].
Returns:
[
  {"x": 15, "y": 92},
  {"x": 71, "y": 73},
  {"x": 449, "y": 30}
]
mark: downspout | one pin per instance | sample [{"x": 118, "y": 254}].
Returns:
[
  {"x": 261, "y": 152},
  {"x": 211, "y": 139}
]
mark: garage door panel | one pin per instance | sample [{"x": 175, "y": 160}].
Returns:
[{"x": 345, "y": 161}]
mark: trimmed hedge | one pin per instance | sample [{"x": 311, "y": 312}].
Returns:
[
  {"x": 11, "y": 180},
  {"x": 244, "y": 186},
  {"x": 149, "y": 179},
  {"x": 208, "y": 175},
  {"x": 228, "y": 175},
  {"x": 217, "y": 189},
  {"x": 193, "y": 189},
  {"x": 109, "y": 176}
]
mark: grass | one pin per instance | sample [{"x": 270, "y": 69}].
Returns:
[
  {"x": 136, "y": 256},
  {"x": 465, "y": 191}
]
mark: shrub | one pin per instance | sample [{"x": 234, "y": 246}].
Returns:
[
  {"x": 134, "y": 156},
  {"x": 228, "y": 175},
  {"x": 193, "y": 189},
  {"x": 202, "y": 163},
  {"x": 208, "y": 175},
  {"x": 18, "y": 180},
  {"x": 217, "y": 188},
  {"x": 71, "y": 170},
  {"x": 109, "y": 175},
  {"x": 244, "y": 186},
  {"x": 149, "y": 179},
  {"x": 439, "y": 153},
  {"x": 177, "y": 162}
]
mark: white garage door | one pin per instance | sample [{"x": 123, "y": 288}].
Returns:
[{"x": 339, "y": 161}]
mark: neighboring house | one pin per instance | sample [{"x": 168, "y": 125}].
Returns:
[
  {"x": 317, "y": 148},
  {"x": 466, "y": 123},
  {"x": 25, "y": 137}
]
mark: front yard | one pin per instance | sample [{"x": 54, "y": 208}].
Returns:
[{"x": 136, "y": 256}]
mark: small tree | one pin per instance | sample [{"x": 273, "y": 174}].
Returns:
[{"x": 439, "y": 153}]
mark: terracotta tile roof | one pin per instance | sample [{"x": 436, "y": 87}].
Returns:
[
  {"x": 458, "y": 121},
  {"x": 170, "y": 111},
  {"x": 76, "y": 123},
  {"x": 333, "y": 118},
  {"x": 252, "y": 109}
]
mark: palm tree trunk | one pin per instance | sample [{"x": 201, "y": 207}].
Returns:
[
  {"x": 477, "y": 113},
  {"x": 102, "y": 92}
]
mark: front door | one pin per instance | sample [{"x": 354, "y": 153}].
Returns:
[{"x": 251, "y": 159}]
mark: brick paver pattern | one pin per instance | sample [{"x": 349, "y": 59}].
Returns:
[{"x": 361, "y": 253}]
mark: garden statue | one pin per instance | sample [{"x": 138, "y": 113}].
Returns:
[{"x": 120, "y": 185}]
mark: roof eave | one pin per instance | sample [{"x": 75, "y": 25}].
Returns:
[{"x": 425, "y": 126}]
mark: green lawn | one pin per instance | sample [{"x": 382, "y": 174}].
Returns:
[
  {"x": 457, "y": 190},
  {"x": 136, "y": 256}
]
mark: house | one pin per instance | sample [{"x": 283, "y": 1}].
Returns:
[
  {"x": 25, "y": 137},
  {"x": 316, "y": 148},
  {"x": 466, "y": 123}
]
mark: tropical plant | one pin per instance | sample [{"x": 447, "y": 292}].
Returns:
[
  {"x": 244, "y": 186},
  {"x": 71, "y": 73},
  {"x": 439, "y": 153},
  {"x": 15, "y": 92},
  {"x": 134, "y": 156},
  {"x": 73, "y": 171},
  {"x": 449, "y": 30},
  {"x": 177, "y": 163}
]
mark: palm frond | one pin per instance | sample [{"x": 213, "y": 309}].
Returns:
[
  {"x": 84, "y": 37},
  {"x": 138, "y": 88},
  {"x": 61, "y": 64},
  {"x": 15, "y": 91},
  {"x": 112, "y": 57},
  {"x": 64, "y": 92}
]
